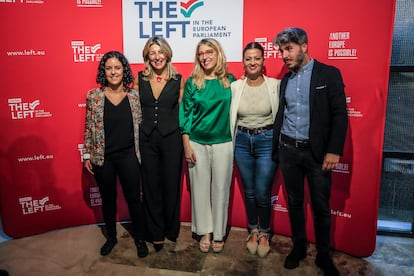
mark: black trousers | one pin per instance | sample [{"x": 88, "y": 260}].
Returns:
[
  {"x": 125, "y": 166},
  {"x": 296, "y": 164},
  {"x": 161, "y": 181}
]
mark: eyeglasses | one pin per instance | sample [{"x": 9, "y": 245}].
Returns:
[{"x": 207, "y": 53}]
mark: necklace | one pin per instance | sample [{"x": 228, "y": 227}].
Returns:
[{"x": 159, "y": 78}]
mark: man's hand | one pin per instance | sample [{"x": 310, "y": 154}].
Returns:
[{"x": 330, "y": 161}]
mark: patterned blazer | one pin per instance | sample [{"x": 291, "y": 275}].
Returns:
[{"x": 94, "y": 135}]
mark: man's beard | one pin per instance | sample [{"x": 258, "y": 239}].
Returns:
[{"x": 299, "y": 60}]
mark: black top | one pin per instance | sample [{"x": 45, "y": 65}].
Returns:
[
  {"x": 118, "y": 126},
  {"x": 161, "y": 113}
]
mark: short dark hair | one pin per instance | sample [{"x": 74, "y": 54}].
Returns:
[
  {"x": 127, "y": 78},
  {"x": 293, "y": 34}
]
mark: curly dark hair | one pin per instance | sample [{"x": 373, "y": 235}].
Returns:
[{"x": 127, "y": 78}]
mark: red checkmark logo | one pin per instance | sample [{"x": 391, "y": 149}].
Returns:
[{"x": 188, "y": 4}]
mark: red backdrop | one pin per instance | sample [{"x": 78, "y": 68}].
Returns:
[{"x": 49, "y": 56}]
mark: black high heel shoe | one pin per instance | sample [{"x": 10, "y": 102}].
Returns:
[
  {"x": 108, "y": 246},
  {"x": 142, "y": 249},
  {"x": 158, "y": 246}
]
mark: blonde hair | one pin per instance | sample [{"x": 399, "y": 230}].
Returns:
[
  {"x": 165, "y": 47},
  {"x": 220, "y": 70}
]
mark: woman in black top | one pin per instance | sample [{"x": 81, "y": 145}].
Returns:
[
  {"x": 161, "y": 89},
  {"x": 113, "y": 114}
]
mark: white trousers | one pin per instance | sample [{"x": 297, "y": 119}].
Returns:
[{"x": 210, "y": 180}]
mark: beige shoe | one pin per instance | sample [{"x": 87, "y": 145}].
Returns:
[
  {"x": 252, "y": 240},
  {"x": 205, "y": 243},
  {"x": 263, "y": 249},
  {"x": 217, "y": 246}
]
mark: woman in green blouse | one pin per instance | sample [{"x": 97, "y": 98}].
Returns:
[{"x": 205, "y": 127}]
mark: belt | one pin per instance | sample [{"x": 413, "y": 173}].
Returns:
[
  {"x": 293, "y": 142},
  {"x": 254, "y": 131}
]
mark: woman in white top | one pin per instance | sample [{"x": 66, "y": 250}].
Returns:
[{"x": 253, "y": 109}]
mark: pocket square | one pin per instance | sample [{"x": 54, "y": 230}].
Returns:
[{"x": 321, "y": 86}]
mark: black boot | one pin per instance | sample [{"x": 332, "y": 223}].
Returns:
[
  {"x": 158, "y": 246},
  {"x": 298, "y": 253},
  {"x": 142, "y": 249},
  {"x": 108, "y": 245},
  {"x": 324, "y": 262}
]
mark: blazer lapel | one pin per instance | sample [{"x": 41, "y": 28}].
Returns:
[{"x": 314, "y": 80}]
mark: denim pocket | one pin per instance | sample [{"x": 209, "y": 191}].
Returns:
[{"x": 268, "y": 134}]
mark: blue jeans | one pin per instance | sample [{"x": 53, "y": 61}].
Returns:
[{"x": 253, "y": 155}]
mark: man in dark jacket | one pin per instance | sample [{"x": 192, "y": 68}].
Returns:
[{"x": 309, "y": 136}]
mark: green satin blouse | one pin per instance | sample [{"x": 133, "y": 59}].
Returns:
[{"x": 205, "y": 114}]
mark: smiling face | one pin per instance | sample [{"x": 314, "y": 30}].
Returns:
[
  {"x": 207, "y": 57},
  {"x": 157, "y": 58},
  {"x": 294, "y": 55},
  {"x": 114, "y": 72},
  {"x": 253, "y": 62}
]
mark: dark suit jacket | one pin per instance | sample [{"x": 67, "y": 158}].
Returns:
[{"x": 328, "y": 114}]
